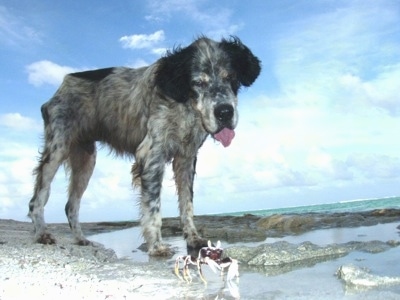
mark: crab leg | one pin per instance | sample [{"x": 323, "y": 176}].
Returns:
[
  {"x": 212, "y": 264},
  {"x": 233, "y": 270},
  {"x": 211, "y": 256},
  {"x": 201, "y": 272},
  {"x": 186, "y": 272},
  {"x": 177, "y": 265},
  {"x": 187, "y": 260}
]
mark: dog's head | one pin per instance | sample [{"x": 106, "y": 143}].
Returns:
[{"x": 209, "y": 75}]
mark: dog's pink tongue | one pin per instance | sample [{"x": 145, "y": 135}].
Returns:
[{"x": 225, "y": 136}]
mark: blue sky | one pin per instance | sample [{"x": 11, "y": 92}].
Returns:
[{"x": 321, "y": 124}]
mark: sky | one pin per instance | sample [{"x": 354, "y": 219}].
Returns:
[{"x": 320, "y": 125}]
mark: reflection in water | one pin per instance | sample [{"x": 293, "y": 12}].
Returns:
[
  {"x": 253, "y": 284},
  {"x": 124, "y": 242},
  {"x": 323, "y": 237}
]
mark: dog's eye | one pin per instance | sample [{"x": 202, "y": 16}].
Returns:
[
  {"x": 200, "y": 83},
  {"x": 230, "y": 78}
]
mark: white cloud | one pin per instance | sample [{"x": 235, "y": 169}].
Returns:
[
  {"x": 47, "y": 72},
  {"x": 299, "y": 146},
  {"x": 335, "y": 115},
  {"x": 18, "y": 122},
  {"x": 159, "y": 51},
  {"x": 16, "y": 165},
  {"x": 142, "y": 41},
  {"x": 375, "y": 165},
  {"x": 138, "y": 63},
  {"x": 317, "y": 54},
  {"x": 324, "y": 166}
]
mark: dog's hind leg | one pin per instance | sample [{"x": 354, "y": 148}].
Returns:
[
  {"x": 50, "y": 160},
  {"x": 81, "y": 162},
  {"x": 184, "y": 170}
]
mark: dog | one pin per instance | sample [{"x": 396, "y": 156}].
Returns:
[{"x": 157, "y": 114}]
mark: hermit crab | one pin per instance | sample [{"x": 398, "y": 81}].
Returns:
[{"x": 211, "y": 256}]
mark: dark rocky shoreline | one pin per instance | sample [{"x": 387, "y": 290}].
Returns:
[{"x": 251, "y": 228}]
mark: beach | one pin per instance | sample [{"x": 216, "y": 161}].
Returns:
[{"x": 298, "y": 259}]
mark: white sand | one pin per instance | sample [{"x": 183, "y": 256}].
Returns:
[{"x": 32, "y": 271}]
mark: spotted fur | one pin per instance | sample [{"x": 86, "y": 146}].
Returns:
[{"x": 155, "y": 114}]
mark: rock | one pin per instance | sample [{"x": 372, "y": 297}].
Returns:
[
  {"x": 283, "y": 253},
  {"x": 281, "y": 257},
  {"x": 286, "y": 224},
  {"x": 271, "y": 222},
  {"x": 393, "y": 243},
  {"x": 280, "y": 225},
  {"x": 233, "y": 235},
  {"x": 231, "y": 229},
  {"x": 356, "y": 278}
]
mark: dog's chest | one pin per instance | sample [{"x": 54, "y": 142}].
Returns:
[
  {"x": 189, "y": 131},
  {"x": 179, "y": 130}
]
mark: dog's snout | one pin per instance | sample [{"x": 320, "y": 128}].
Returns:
[{"x": 224, "y": 112}]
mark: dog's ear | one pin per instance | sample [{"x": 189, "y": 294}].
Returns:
[
  {"x": 246, "y": 65},
  {"x": 174, "y": 73}
]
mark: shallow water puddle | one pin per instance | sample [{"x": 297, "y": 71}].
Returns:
[{"x": 314, "y": 282}]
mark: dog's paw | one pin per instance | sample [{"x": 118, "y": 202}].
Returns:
[
  {"x": 85, "y": 242},
  {"x": 46, "y": 239},
  {"x": 195, "y": 244},
  {"x": 161, "y": 250}
]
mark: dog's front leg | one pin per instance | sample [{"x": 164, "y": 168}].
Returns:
[
  {"x": 184, "y": 170},
  {"x": 148, "y": 173}
]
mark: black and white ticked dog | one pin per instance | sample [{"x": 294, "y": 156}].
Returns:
[{"x": 156, "y": 114}]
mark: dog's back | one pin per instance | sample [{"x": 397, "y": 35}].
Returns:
[{"x": 103, "y": 105}]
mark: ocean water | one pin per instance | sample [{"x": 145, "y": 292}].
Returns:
[{"x": 343, "y": 206}]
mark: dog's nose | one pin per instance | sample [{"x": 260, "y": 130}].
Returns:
[{"x": 224, "y": 112}]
